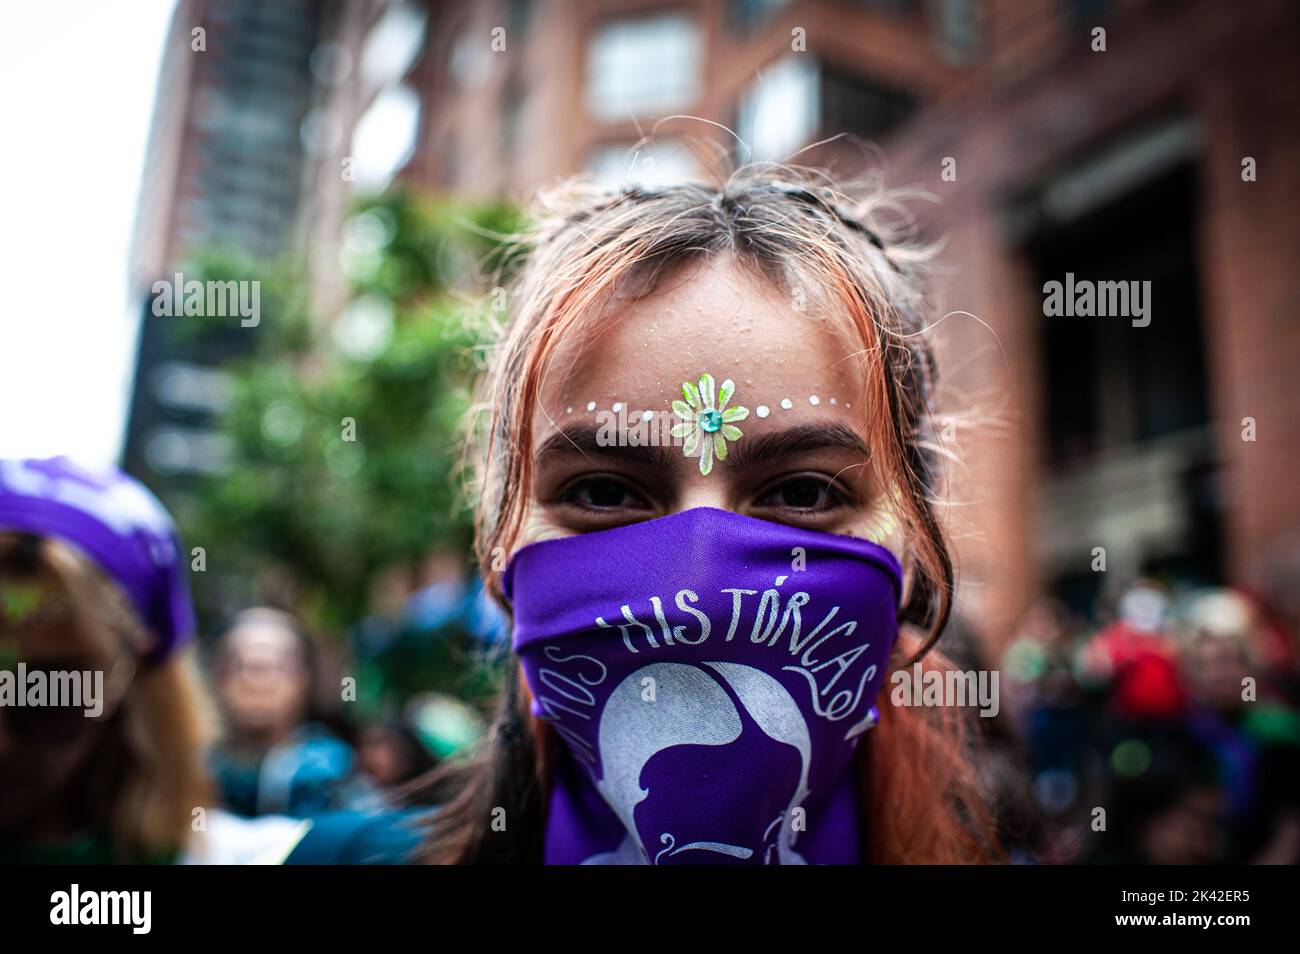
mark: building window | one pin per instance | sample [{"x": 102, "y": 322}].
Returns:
[
  {"x": 393, "y": 45},
  {"x": 1109, "y": 385},
  {"x": 800, "y": 99},
  {"x": 643, "y": 66},
  {"x": 1125, "y": 419},
  {"x": 855, "y": 104},
  {"x": 385, "y": 137},
  {"x": 647, "y": 165},
  {"x": 778, "y": 114}
]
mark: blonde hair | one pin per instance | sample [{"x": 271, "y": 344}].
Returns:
[{"x": 148, "y": 775}]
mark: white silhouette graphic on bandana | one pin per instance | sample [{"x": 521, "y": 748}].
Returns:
[{"x": 692, "y": 708}]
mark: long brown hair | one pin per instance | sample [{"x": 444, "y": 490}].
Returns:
[{"x": 807, "y": 237}]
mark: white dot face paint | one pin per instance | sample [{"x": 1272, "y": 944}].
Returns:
[
  {"x": 832, "y": 400},
  {"x": 617, "y": 407},
  {"x": 814, "y": 400},
  {"x": 762, "y": 410},
  {"x": 771, "y": 354},
  {"x": 569, "y": 411},
  {"x": 648, "y": 416},
  {"x": 591, "y": 405}
]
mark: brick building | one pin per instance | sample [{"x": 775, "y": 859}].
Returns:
[
  {"x": 1160, "y": 149},
  {"x": 268, "y": 117}
]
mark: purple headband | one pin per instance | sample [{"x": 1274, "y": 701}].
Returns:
[{"x": 114, "y": 521}]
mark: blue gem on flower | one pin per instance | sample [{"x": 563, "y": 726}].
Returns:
[{"x": 707, "y": 423}]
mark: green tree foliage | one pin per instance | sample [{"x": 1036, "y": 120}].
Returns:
[{"x": 345, "y": 438}]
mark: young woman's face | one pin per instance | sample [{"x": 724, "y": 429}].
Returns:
[{"x": 801, "y": 459}]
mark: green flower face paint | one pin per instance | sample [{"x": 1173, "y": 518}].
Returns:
[{"x": 707, "y": 423}]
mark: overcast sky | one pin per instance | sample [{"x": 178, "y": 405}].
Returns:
[{"x": 76, "y": 95}]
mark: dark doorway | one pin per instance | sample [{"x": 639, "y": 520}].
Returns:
[{"x": 1115, "y": 392}]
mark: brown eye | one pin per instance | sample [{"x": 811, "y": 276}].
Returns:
[
  {"x": 604, "y": 493},
  {"x": 802, "y": 494},
  {"x": 806, "y": 494}
]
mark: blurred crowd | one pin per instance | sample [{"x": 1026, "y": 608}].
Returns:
[{"x": 1167, "y": 734}]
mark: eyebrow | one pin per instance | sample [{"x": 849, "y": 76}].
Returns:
[
  {"x": 749, "y": 451},
  {"x": 581, "y": 440}
]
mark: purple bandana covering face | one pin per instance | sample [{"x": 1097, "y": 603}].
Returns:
[
  {"x": 117, "y": 523},
  {"x": 711, "y": 675}
]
